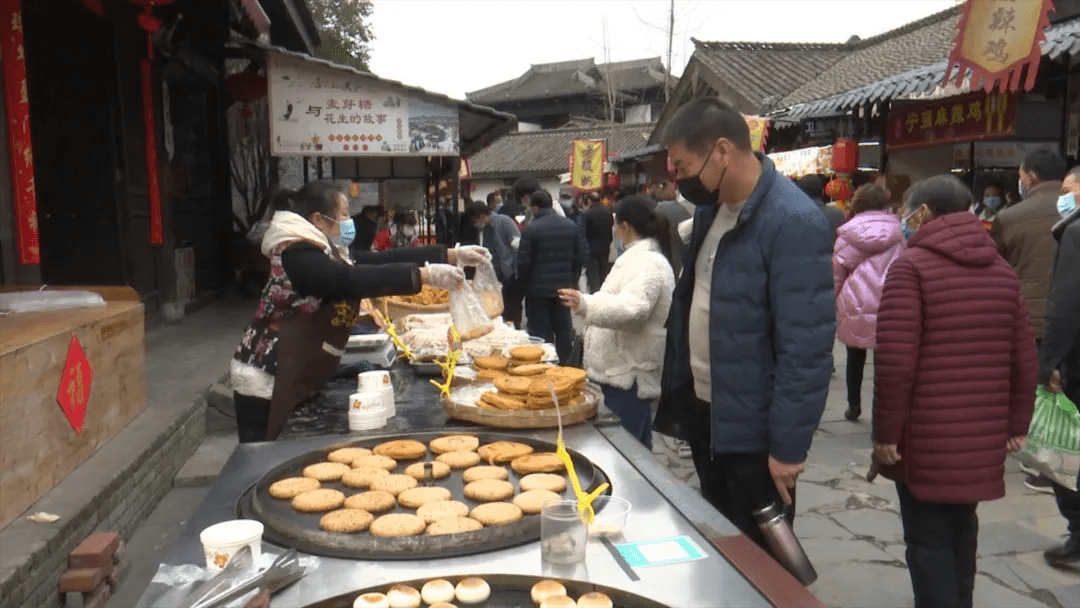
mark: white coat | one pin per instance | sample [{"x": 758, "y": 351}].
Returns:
[{"x": 624, "y": 339}]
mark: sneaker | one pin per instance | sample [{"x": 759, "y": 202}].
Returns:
[
  {"x": 1030, "y": 470},
  {"x": 1039, "y": 484},
  {"x": 682, "y": 448},
  {"x": 1065, "y": 556}
]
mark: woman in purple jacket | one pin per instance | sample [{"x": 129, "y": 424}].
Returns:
[{"x": 865, "y": 247}]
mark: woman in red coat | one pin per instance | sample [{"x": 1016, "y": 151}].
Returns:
[{"x": 956, "y": 369}]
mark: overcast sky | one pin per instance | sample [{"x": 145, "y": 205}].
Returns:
[{"x": 456, "y": 46}]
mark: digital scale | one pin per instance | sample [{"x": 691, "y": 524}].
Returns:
[{"x": 376, "y": 349}]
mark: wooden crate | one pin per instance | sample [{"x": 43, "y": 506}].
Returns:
[{"x": 38, "y": 447}]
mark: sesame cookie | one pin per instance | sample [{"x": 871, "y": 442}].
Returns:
[
  {"x": 496, "y": 513},
  {"x": 394, "y": 484},
  {"x": 533, "y": 501},
  {"x": 372, "y": 502},
  {"x": 363, "y": 478},
  {"x": 347, "y": 521},
  {"x": 397, "y": 524},
  {"x": 543, "y": 481},
  {"x": 489, "y": 490},
  {"x": 347, "y": 455},
  {"x": 319, "y": 500},
  {"x": 401, "y": 449},
  {"x": 434, "y": 511},
  {"x": 375, "y": 460},
  {"x": 459, "y": 460},
  {"x": 454, "y": 443},
  {"x": 414, "y": 498},
  {"x": 453, "y": 525},
  {"x": 326, "y": 471},
  {"x": 291, "y": 486},
  {"x": 503, "y": 451},
  {"x": 418, "y": 471},
  {"x": 539, "y": 462},
  {"x": 485, "y": 472}
]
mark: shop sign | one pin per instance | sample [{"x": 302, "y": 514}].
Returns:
[
  {"x": 970, "y": 117},
  {"x": 17, "y": 106},
  {"x": 996, "y": 39},
  {"x": 75, "y": 383},
  {"x": 587, "y": 164},
  {"x": 320, "y": 110},
  {"x": 805, "y": 161},
  {"x": 993, "y": 154}
]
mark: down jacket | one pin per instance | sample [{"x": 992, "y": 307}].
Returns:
[
  {"x": 625, "y": 320},
  {"x": 865, "y": 248},
  {"x": 551, "y": 255},
  {"x": 771, "y": 327},
  {"x": 955, "y": 364}
]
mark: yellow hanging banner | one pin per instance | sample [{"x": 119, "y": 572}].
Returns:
[
  {"x": 759, "y": 131},
  {"x": 587, "y": 159}
]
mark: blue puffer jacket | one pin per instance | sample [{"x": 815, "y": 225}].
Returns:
[
  {"x": 772, "y": 323},
  {"x": 551, "y": 255}
]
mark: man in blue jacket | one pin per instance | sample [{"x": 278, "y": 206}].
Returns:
[
  {"x": 550, "y": 257},
  {"x": 750, "y": 334}
]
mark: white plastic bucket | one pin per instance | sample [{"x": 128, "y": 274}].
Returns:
[{"x": 221, "y": 541}]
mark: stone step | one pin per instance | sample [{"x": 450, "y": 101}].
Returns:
[{"x": 205, "y": 464}]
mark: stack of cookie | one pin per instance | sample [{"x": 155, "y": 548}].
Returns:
[
  {"x": 424, "y": 508},
  {"x": 534, "y": 392}
]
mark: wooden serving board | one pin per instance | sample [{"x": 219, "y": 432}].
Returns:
[{"x": 525, "y": 419}]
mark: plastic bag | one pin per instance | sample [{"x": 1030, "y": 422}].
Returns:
[
  {"x": 488, "y": 289},
  {"x": 467, "y": 313},
  {"x": 1053, "y": 441},
  {"x": 46, "y": 300}
]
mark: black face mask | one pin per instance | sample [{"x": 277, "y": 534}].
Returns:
[{"x": 694, "y": 191}]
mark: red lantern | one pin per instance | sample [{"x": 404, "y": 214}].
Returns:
[
  {"x": 845, "y": 156},
  {"x": 839, "y": 190},
  {"x": 246, "y": 86},
  {"x": 613, "y": 181}
]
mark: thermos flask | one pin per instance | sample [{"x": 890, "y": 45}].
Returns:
[{"x": 785, "y": 547}]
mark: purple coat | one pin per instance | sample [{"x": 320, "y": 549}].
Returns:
[{"x": 865, "y": 248}]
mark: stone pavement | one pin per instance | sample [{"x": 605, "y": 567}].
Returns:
[{"x": 851, "y": 529}]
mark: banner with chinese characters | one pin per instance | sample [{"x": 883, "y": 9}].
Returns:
[
  {"x": 17, "y": 106},
  {"x": 317, "y": 109},
  {"x": 759, "y": 131},
  {"x": 996, "y": 39},
  {"x": 970, "y": 117},
  {"x": 587, "y": 160}
]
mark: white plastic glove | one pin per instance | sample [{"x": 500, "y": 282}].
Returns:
[
  {"x": 470, "y": 255},
  {"x": 442, "y": 276}
]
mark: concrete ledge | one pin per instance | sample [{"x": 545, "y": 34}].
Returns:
[{"x": 115, "y": 489}]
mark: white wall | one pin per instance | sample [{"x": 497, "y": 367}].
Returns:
[{"x": 921, "y": 163}]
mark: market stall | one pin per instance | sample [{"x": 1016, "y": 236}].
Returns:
[{"x": 731, "y": 570}]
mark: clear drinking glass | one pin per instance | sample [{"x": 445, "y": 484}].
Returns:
[{"x": 563, "y": 535}]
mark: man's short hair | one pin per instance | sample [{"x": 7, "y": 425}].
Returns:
[
  {"x": 1045, "y": 164},
  {"x": 701, "y": 122},
  {"x": 491, "y": 196},
  {"x": 1074, "y": 173},
  {"x": 476, "y": 209},
  {"x": 525, "y": 186},
  {"x": 540, "y": 198},
  {"x": 942, "y": 194},
  {"x": 812, "y": 186}
]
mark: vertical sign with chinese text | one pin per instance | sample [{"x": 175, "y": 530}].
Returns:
[
  {"x": 75, "y": 383},
  {"x": 587, "y": 164},
  {"x": 759, "y": 131},
  {"x": 17, "y": 106},
  {"x": 996, "y": 39},
  {"x": 972, "y": 117}
]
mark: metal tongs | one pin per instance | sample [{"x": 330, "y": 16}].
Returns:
[
  {"x": 585, "y": 508},
  {"x": 226, "y": 586}
]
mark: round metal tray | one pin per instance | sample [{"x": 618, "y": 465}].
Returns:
[
  {"x": 507, "y": 591},
  {"x": 461, "y": 405},
  {"x": 287, "y": 527}
]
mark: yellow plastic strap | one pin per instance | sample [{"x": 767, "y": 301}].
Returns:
[
  {"x": 453, "y": 353},
  {"x": 392, "y": 332}
]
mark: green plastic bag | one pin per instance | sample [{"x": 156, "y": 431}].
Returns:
[{"x": 1053, "y": 441}]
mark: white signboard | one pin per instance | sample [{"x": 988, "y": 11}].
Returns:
[{"x": 316, "y": 109}]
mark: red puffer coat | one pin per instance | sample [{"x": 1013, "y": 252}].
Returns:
[{"x": 956, "y": 363}]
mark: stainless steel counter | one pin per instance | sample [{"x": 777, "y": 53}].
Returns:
[{"x": 662, "y": 507}]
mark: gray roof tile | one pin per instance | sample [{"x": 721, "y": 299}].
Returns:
[
  {"x": 570, "y": 78},
  {"x": 544, "y": 152}
]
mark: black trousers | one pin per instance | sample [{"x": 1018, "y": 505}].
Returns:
[
  {"x": 941, "y": 543},
  {"x": 550, "y": 320},
  {"x": 736, "y": 483},
  {"x": 1068, "y": 503},
  {"x": 512, "y": 296},
  {"x": 252, "y": 417},
  {"x": 856, "y": 362},
  {"x": 596, "y": 271}
]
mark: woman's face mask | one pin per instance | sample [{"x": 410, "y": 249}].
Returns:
[
  {"x": 992, "y": 202},
  {"x": 909, "y": 225},
  {"x": 346, "y": 231},
  {"x": 479, "y": 226},
  {"x": 408, "y": 230}
]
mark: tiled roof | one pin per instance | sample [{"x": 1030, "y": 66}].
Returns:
[
  {"x": 915, "y": 45},
  {"x": 763, "y": 73},
  {"x": 544, "y": 152},
  {"x": 569, "y": 78},
  {"x": 1062, "y": 41}
]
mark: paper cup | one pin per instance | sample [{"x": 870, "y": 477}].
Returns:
[
  {"x": 373, "y": 381},
  {"x": 221, "y": 541},
  {"x": 366, "y": 401},
  {"x": 388, "y": 403},
  {"x": 367, "y": 420}
]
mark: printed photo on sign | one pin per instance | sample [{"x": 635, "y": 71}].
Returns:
[{"x": 433, "y": 128}]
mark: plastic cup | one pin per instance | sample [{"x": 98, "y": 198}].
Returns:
[
  {"x": 611, "y": 512},
  {"x": 365, "y": 400},
  {"x": 373, "y": 381},
  {"x": 221, "y": 541},
  {"x": 563, "y": 535}
]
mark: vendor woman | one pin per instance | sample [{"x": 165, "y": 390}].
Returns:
[{"x": 296, "y": 340}]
